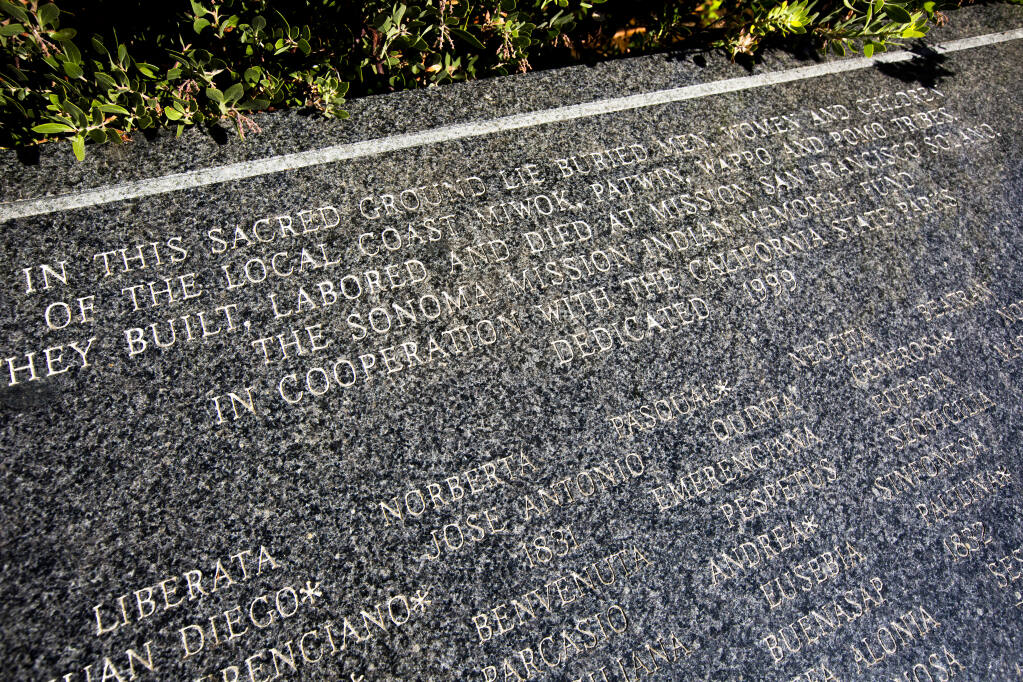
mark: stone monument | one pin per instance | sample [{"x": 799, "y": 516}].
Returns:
[{"x": 665, "y": 368}]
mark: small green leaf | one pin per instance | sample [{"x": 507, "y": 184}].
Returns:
[
  {"x": 48, "y": 15},
  {"x": 98, "y": 136},
  {"x": 199, "y": 24},
  {"x": 234, "y": 93},
  {"x": 15, "y": 11},
  {"x": 868, "y": 50},
  {"x": 71, "y": 52},
  {"x": 912, "y": 33},
  {"x": 78, "y": 147},
  {"x": 303, "y": 45},
  {"x": 51, "y": 128},
  {"x": 172, "y": 114},
  {"x": 898, "y": 14},
  {"x": 253, "y": 105},
  {"x": 114, "y": 109},
  {"x": 215, "y": 95},
  {"x": 252, "y": 74},
  {"x": 146, "y": 69},
  {"x": 105, "y": 80},
  {"x": 72, "y": 70},
  {"x": 64, "y": 34},
  {"x": 11, "y": 30},
  {"x": 467, "y": 37},
  {"x": 76, "y": 113}
]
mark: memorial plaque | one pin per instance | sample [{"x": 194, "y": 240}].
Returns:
[{"x": 666, "y": 368}]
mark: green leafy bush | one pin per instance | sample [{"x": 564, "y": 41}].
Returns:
[{"x": 99, "y": 70}]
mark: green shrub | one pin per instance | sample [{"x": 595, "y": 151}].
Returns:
[{"x": 100, "y": 70}]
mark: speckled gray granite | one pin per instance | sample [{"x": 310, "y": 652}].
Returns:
[{"x": 725, "y": 388}]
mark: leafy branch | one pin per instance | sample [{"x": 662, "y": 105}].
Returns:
[{"x": 88, "y": 72}]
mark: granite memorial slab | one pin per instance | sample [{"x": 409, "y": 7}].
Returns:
[{"x": 664, "y": 368}]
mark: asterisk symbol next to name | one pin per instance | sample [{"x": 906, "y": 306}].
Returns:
[
  {"x": 420, "y": 601},
  {"x": 310, "y": 592}
]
